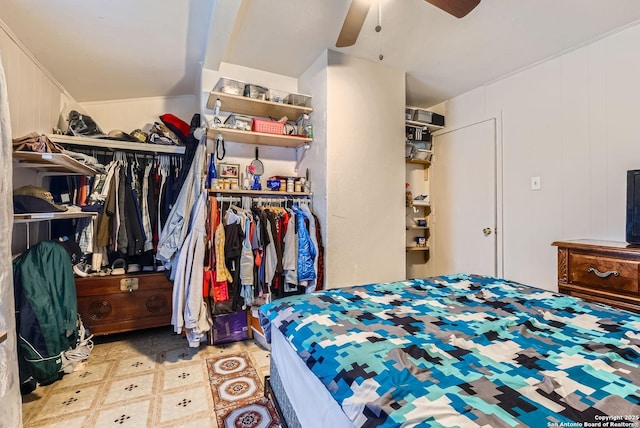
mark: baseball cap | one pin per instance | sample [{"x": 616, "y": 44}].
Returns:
[{"x": 33, "y": 199}]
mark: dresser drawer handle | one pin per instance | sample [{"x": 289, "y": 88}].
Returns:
[{"x": 603, "y": 274}]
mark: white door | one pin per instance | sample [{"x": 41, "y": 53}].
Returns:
[{"x": 463, "y": 192}]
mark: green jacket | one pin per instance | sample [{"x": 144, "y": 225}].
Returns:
[{"x": 46, "y": 310}]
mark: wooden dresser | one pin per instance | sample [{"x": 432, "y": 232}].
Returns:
[
  {"x": 114, "y": 304},
  {"x": 600, "y": 271}
]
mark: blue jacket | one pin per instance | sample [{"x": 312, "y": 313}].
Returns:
[{"x": 306, "y": 250}]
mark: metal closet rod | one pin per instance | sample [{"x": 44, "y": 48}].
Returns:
[{"x": 265, "y": 198}]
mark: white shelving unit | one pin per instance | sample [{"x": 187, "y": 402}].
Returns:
[
  {"x": 254, "y": 107},
  {"x": 110, "y": 144},
  {"x": 51, "y": 164},
  {"x": 47, "y": 164},
  {"x": 418, "y": 256}
]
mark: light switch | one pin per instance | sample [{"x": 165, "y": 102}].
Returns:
[{"x": 535, "y": 183}]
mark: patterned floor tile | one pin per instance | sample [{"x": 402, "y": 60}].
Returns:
[
  {"x": 259, "y": 414},
  {"x": 203, "y": 422},
  {"x": 261, "y": 358},
  {"x": 89, "y": 373},
  {"x": 134, "y": 415},
  {"x": 134, "y": 365},
  {"x": 130, "y": 388},
  {"x": 183, "y": 376},
  {"x": 68, "y": 401},
  {"x": 181, "y": 405},
  {"x": 143, "y": 379},
  {"x": 180, "y": 355},
  {"x": 78, "y": 421}
]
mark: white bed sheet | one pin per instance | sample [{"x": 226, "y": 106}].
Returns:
[{"x": 311, "y": 401}]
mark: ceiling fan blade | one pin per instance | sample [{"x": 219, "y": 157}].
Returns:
[
  {"x": 457, "y": 8},
  {"x": 353, "y": 23}
]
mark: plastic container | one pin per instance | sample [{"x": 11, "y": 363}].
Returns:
[
  {"x": 267, "y": 126},
  {"x": 298, "y": 100},
  {"x": 277, "y": 96},
  {"x": 237, "y": 121},
  {"x": 229, "y": 86},
  {"x": 256, "y": 92},
  {"x": 428, "y": 117},
  {"x": 408, "y": 113},
  {"x": 421, "y": 154}
]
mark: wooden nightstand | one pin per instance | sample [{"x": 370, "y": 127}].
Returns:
[{"x": 600, "y": 271}]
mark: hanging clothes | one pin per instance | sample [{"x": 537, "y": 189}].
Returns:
[
  {"x": 189, "y": 310},
  {"x": 306, "y": 249},
  {"x": 265, "y": 249},
  {"x": 175, "y": 230}
]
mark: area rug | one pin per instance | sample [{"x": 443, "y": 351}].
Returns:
[{"x": 238, "y": 393}]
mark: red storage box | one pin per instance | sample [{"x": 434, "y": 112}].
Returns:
[{"x": 267, "y": 126}]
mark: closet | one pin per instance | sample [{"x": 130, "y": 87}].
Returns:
[
  {"x": 107, "y": 303},
  {"x": 261, "y": 265}
]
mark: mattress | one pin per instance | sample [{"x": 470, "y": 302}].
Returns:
[
  {"x": 312, "y": 403},
  {"x": 460, "y": 350}
]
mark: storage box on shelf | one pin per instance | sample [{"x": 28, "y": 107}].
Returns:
[
  {"x": 230, "y": 86},
  {"x": 298, "y": 100},
  {"x": 267, "y": 126}
]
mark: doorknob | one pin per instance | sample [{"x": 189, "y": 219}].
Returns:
[{"x": 487, "y": 231}]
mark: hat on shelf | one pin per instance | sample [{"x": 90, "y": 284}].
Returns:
[
  {"x": 33, "y": 199},
  {"x": 176, "y": 125},
  {"x": 121, "y": 135}
]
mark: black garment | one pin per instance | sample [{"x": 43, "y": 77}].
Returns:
[
  {"x": 152, "y": 203},
  {"x": 320, "y": 273},
  {"x": 122, "y": 239},
  {"x": 135, "y": 237},
  {"x": 189, "y": 152},
  {"x": 167, "y": 197},
  {"x": 232, "y": 251}
]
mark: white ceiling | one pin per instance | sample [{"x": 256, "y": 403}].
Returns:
[{"x": 101, "y": 50}]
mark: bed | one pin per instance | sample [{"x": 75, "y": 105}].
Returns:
[{"x": 461, "y": 350}]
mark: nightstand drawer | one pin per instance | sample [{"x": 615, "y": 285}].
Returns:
[{"x": 604, "y": 273}]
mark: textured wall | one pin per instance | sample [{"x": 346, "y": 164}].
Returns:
[{"x": 10, "y": 411}]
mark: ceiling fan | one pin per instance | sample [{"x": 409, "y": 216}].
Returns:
[{"x": 359, "y": 8}]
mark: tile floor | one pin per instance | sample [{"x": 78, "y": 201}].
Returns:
[{"x": 148, "y": 378}]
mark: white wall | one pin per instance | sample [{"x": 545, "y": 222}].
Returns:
[
  {"x": 572, "y": 121},
  {"x": 34, "y": 103},
  {"x": 314, "y": 81},
  {"x": 139, "y": 113},
  {"x": 365, "y": 172}
]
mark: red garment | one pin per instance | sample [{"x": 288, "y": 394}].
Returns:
[
  {"x": 220, "y": 291},
  {"x": 82, "y": 191}
]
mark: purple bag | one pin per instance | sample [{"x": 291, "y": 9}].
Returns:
[{"x": 231, "y": 327}]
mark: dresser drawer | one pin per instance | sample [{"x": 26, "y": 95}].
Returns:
[{"x": 604, "y": 273}]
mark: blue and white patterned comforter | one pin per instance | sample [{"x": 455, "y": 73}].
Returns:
[{"x": 466, "y": 351}]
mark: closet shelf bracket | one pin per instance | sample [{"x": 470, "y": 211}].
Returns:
[{"x": 301, "y": 150}]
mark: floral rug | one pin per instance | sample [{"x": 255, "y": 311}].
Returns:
[{"x": 238, "y": 393}]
